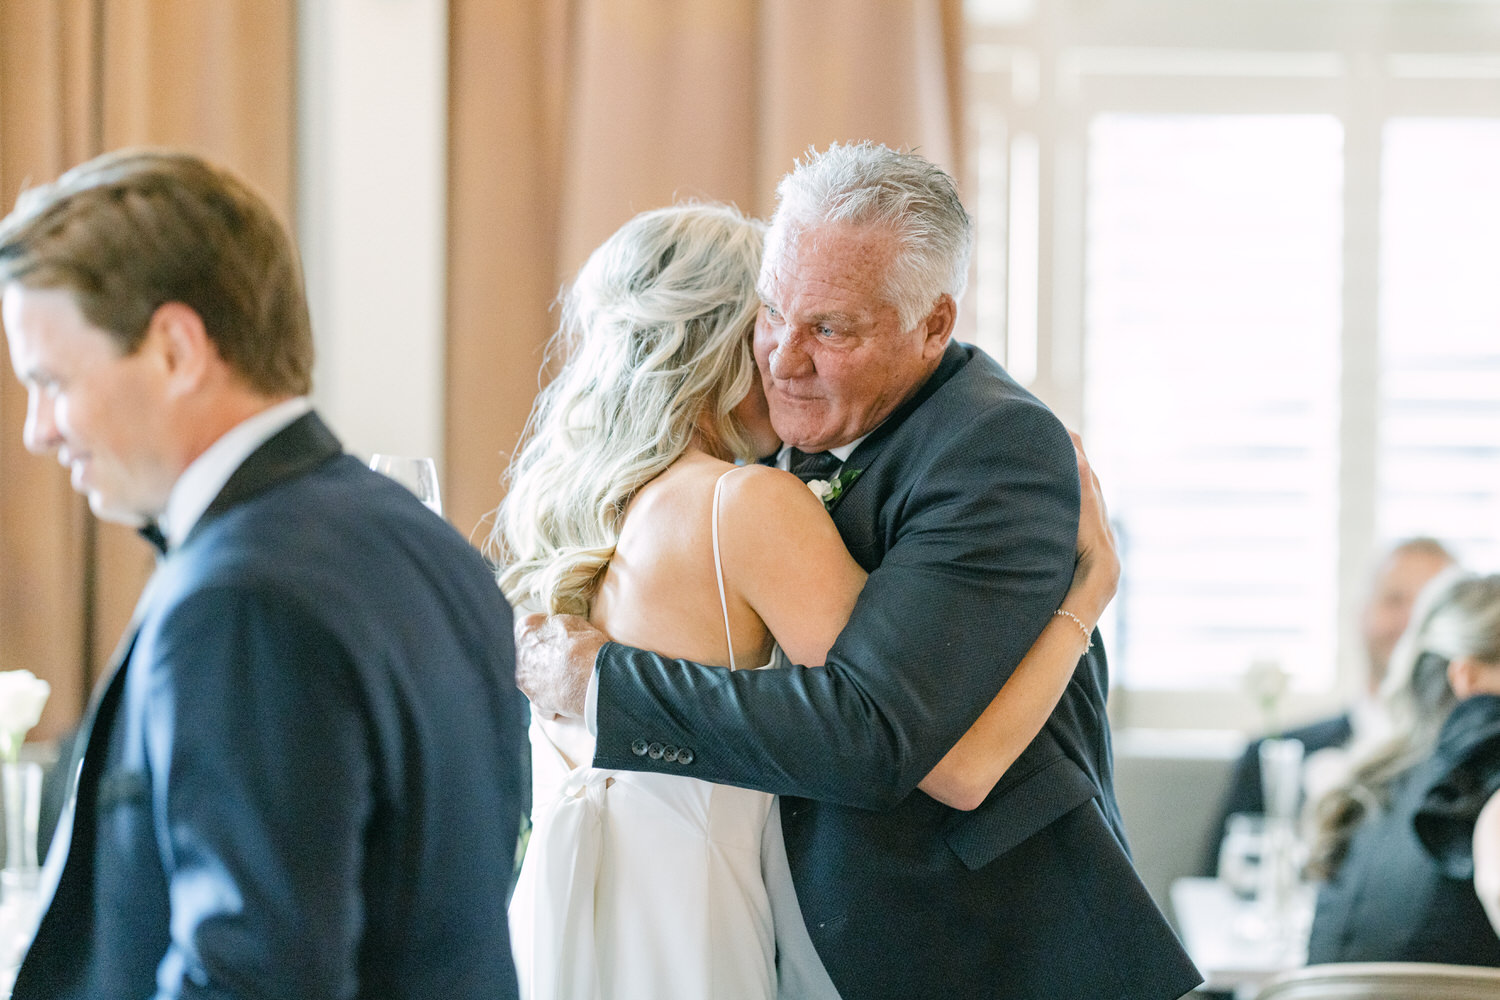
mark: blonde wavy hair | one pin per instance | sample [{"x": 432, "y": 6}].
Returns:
[
  {"x": 656, "y": 335},
  {"x": 1457, "y": 615}
]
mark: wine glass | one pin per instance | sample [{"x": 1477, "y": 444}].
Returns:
[
  {"x": 1241, "y": 854},
  {"x": 417, "y": 474}
]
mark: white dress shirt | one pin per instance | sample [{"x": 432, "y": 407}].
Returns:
[{"x": 204, "y": 479}]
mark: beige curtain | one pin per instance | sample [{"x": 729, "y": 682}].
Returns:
[
  {"x": 78, "y": 77},
  {"x": 567, "y": 118}
]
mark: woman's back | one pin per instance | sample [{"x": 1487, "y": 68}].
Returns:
[
  {"x": 661, "y": 590},
  {"x": 641, "y": 885}
]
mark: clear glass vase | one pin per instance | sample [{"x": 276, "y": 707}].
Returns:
[
  {"x": 1280, "y": 867},
  {"x": 20, "y": 878},
  {"x": 21, "y": 784}
]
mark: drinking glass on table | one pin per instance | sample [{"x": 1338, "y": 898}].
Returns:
[
  {"x": 417, "y": 474},
  {"x": 1241, "y": 854}
]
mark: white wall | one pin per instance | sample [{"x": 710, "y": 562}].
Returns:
[{"x": 372, "y": 153}]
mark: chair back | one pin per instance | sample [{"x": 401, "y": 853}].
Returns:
[{"x": 1384, "y": 981}]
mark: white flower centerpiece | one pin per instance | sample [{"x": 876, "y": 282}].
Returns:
[
  {"x": 1267, "y": 681},
  {"x": 22, "y": 697}
]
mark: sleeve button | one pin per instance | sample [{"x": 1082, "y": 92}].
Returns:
[
  {"x": 684, "y": 756},
  {"x": 639, "y": 748},
  {"x": 654, "y": 751},
  {"x": 669, "y": 753}
]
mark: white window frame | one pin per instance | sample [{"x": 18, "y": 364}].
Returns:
[{"x": 1053, "y": 69}]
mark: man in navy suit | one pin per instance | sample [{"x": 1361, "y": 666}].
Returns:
[
  {"x": 958, "y": 492},
  {"x": 303, "y": 777}
]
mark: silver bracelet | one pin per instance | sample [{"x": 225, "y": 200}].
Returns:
[{"x": 1088, "y": 636}]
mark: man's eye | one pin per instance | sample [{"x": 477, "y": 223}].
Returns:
[
  {"x": 825, "y": 331},
  {"x": 771, "y": 313}
]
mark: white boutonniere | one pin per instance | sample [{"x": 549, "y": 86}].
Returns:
[{"x": 829, "y": 490}]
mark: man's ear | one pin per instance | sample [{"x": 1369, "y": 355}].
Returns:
[
  {"x": 177, "y": 334},
  {"x": 938, "y": 327}
]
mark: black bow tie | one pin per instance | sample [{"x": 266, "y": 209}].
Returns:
[
  {"x": 818, "y": 465},
  {"x": 151, "y": 532}
]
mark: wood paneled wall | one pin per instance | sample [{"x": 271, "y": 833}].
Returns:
[{"x": 78, "y": 77}]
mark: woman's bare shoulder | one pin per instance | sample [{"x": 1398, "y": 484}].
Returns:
[
  {"x": 761, "y": 507},
  {"x": 682, "y": 487},
  {"x": 760, "y": 486}
]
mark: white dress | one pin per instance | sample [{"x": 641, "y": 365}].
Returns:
[{"x": 639, "y": 886}]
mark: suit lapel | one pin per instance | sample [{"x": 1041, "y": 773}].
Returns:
[
  {"x": 298, "y": 448},
  {"x": 954, "y": 357},
  {"x": 73, "y": 837}
]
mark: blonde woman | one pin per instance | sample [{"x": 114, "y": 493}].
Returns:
[
  {"x": 636, "y": 502},
  {"x": 1410, "y": 845}
]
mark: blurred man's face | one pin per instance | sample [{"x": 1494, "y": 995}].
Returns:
[
  {"x": 101, "y": 412},
  {"x": 833, "y": 357},
  {"x": 1396, "y": 586}
]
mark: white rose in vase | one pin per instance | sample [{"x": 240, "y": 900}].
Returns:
[
  {"x": 1267, "y": 682},
  {"x": 22, "y": 696}
]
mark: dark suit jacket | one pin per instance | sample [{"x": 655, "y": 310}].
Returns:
[
  {"x": 1244, "y": 794},
  {"x": 965, "y": 513},
  {"x": 304, "y": 777}
]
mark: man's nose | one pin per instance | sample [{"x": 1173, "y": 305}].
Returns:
[
  {"x": 40, "y": 431},
  {"x": 789, "y": 358}
]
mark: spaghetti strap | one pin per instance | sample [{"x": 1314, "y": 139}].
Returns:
[{"x": 719, "y": 563}]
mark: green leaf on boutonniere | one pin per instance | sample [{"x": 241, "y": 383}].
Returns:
[{"x": 829, "y": 490}]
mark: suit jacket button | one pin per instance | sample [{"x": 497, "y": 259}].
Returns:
[
  {"x": 669, "y": 753},
  {"x": 654, "y": 751},
  {"x": 638, "y": 748},
  {"x": 684, "y": 756}
]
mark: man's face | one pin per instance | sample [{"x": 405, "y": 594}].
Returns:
[
  {"x": 833, "y": 358},
  {"x": 1395, "y": 588},
  {"x": 101, "y": 412}
]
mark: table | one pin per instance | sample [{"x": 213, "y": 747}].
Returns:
[{"x": 1231, "y": 940}]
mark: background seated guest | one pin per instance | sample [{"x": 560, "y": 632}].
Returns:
[
  {"x": 1327, "y": 743},
  {"x": 1399, "y": 844},
  {"x": 302, "y": 777}
]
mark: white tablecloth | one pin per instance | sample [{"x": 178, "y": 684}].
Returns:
[{"x": 1234, "y": 942}]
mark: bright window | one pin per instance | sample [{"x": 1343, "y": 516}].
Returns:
[
  {"x": 1212, "y": 307},
  {"x": 1252, "y": 251},
  {"x": 1439, "y": 458}
]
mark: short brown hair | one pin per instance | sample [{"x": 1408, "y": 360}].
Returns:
[{"x": 131, "y": 230}]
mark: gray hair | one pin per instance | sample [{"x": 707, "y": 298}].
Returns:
[
  {"x": 1457, "y": 615},
  {"x": 867, "y": 184}
]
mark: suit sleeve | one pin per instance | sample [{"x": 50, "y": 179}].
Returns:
[
  {"x": 979, "y": 537},
  {"x": 262, "y": 794}
]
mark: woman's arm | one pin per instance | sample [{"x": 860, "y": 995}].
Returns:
[
  {"x": 805, "y": 600},
  {"x": 1487, "y": 859},
  {"x": 1007, "y": 726}
]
